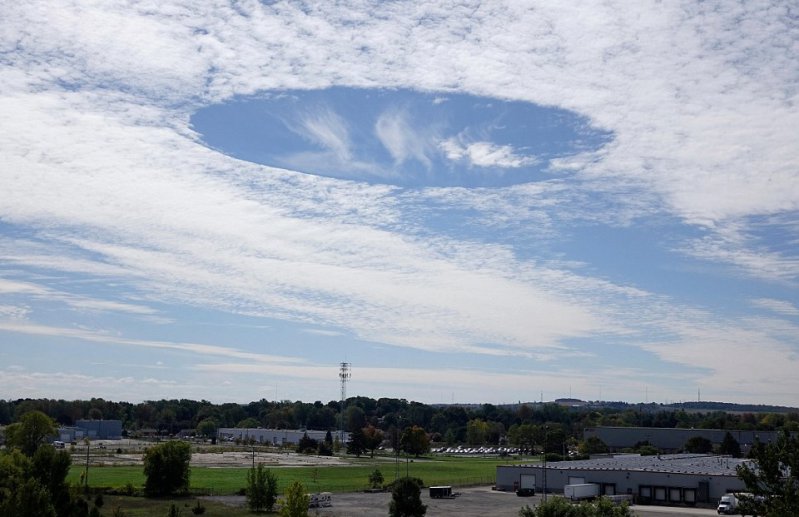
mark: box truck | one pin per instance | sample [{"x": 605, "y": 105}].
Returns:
[{"x": 581, "y": 491}]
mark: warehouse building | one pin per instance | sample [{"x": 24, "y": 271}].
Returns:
[
  {"x": 672, "y": 439},
  {"x": 91, "y": 429},
  {"x": 673, "y": 479}
]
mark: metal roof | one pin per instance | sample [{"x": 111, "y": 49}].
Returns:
[{"x": 699, "y": 464}]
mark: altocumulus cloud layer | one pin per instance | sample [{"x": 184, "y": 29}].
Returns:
[{"x": 138, "y": 262}]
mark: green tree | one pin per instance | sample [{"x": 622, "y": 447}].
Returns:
[
  {"x": 415, "y": 441},
  {"x": 698, "y": 445},
  {"x": 50, "y": 468},
  {"x": 357, "y": 443},
  {"x": 248, "y": 423},
  {"x": 207, "y": 428},
  {"x": 18, "y": 491},
  {"x": 307, "y": 445},
  {"x": 730, "y": 445},
  {"x": 774, "y": 478},
  {"x": 296, "y": 501},
  {"x": 376, "y": 479},
  {"x": 166, "y": 467},
  {"x": 592, "y": 445},
  {"x": 523, "y": 436},
  {"x": 30, "y": 432},
  {"x": 261, "y": 489},
  {"x": 373, "y": 437},
  {"x": 476, "y": 432},
  {"x": 406, "y": 500},
  {"x": 355, "y": 418}
]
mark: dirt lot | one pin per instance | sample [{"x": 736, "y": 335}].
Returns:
[
  {"x": 103, "y": 453},
  {"x": 472, "y": 502}
]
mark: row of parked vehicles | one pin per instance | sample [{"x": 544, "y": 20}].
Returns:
[{"x": 502, "y": 451}]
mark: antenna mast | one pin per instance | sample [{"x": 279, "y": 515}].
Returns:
[{"x": 344, "y": 375}]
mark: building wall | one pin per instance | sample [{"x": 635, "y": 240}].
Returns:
[
  {"x": 676, "y": 487},
  {"x": 667, "y": 439},
  {"x": 100, "y": 429}
]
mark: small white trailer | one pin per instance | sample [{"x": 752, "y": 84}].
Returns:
[{"x": 581, "y": 491}]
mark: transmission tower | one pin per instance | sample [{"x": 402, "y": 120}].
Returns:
[{"x": 344, "y": 375}]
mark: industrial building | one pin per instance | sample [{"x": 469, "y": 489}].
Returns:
[
  {"x": 674, "y": 479},
  {"x": 275, "y": 437},
  {"x": 672, "y": 439},
  {"x": 92, "y": 429}
]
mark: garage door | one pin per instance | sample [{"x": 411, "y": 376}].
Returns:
[{"x": 527, "y": 481}]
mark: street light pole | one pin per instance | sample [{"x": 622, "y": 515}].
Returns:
[{"x": 546, "y": 433}]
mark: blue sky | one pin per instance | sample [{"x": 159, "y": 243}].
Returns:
[{"x": 468, "y": 202}]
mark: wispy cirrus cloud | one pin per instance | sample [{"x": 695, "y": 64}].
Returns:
[
  {"x": 782, "y": 307},
  {"x": 402, "y": 140}
]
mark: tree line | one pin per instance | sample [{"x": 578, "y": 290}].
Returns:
[{"x": 485, "y": 424}]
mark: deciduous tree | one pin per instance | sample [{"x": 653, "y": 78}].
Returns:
[
  {"x": 373, "y": 437},
  {"x": 30, "y": 432},
  {"x": 261, "y": 489},
  {"x": 166, "y": 468},
  {"x": 296, "y": 501},
  {"x": 415, "y": 441},
  {"x": 773, "y": 480}
]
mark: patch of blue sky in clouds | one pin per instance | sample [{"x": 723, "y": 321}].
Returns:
[
  {"x": 470, "y": 202},
  {"x": 398, "y": 137}
]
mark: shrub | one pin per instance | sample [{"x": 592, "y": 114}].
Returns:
[
  {"x": 406, "y": 500},
  {"x": 375, "y": 479}
]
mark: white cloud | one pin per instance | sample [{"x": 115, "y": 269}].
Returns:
[
  {"x": 77, "y": 302},
  {"x": 401, "y": 139},
  {"x": 485, "y": 154},
  {"x": 13, "y": 311},
  {"x": 327, "y": 129},
  {"x": 101, "y": 337},
  {"x": 779, "y": 306}
]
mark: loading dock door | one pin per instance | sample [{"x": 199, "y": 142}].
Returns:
[
  {"x": 576, "y": 481},
  {"x": 527, "y": 481}
]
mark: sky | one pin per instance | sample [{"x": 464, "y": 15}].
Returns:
[{"x": 468, "y": 202}]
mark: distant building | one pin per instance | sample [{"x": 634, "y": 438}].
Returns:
[
  {"x": 665, "y": 479},
  {"x": 271, "y": 436},
  {"x": 671, "y": 439},
  {"x": 91, "y": 429}
]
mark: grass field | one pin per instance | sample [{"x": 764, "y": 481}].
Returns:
[{"x": 223, "y": 481}]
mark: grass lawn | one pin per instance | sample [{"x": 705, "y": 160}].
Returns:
[{"x": 223, "y": 481}]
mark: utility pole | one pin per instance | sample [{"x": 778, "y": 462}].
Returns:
[
  {"x": 546, "y": 433},
  {"x": 86, "y": 474}
]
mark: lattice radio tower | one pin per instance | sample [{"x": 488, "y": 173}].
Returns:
[{"x": 344, "y": 374}]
